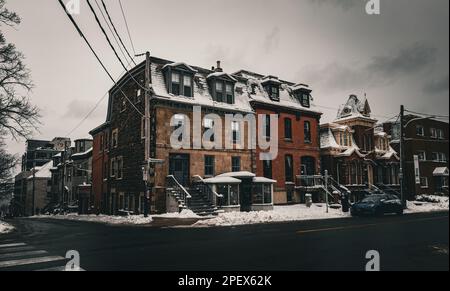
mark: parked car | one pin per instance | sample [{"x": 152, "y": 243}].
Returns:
[{"x": 378, "y": 205}]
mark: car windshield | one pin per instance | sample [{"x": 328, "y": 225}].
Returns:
[{"x": 373, "y": 199}]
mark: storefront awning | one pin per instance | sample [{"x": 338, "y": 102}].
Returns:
[
  {"x": 243, "y": 174},
  {"x": 440, "y": 172},
  {"x": 222, "y": 180},
  {"x": 262, "y": 180}
]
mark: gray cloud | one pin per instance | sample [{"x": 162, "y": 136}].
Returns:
[
  {"x": 379, "y": 71},
  {"x": 407, "y": 60},
  {"x": 272, "y": 40},
  {"x": 437, "y": 86},
  {"x": 79, "y": 108}
]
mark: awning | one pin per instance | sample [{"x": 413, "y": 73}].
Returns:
[
  {"x": 243, "y": 174},
  {"x": 440, "y": 172},
  {"x": 222, "y": 180},
  {"x": 262, "y": 180}
]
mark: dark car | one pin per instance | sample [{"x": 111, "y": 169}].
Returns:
[{"x": 378, "y": 205}]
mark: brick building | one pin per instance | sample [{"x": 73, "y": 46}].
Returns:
[
  {"x": 427, "y": 139},
  {"x": 199, "y": 99}
]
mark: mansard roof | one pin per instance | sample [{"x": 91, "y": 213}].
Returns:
[{"x": 355, "y": 108}]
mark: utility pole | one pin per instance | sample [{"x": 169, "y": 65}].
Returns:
[
  {"x": 402, "y": 155},
  {"x": 326, "y": 189},
  {"x": 147, "y": 136},
  {"x": 33, "y": 196}
]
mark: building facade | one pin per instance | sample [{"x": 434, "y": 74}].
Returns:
[
  {"x": 356, "y": 151},
  {"x": 426, "y": 139}
]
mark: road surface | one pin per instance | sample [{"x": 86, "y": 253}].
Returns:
[{"x": 411, "y": 242}]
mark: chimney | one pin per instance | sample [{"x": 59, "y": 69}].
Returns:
[{"x": 218, "y": 69}]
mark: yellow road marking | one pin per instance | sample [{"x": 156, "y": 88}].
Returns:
[{"x": 368, "y": 225}]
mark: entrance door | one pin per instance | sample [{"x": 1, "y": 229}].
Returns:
[
  {"x": 308, "y": 166},
  {"x": 245, "y": 190},
  {"x": 179, "y": 168}
]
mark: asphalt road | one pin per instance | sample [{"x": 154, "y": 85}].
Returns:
[{"x": 412, "y": 242}]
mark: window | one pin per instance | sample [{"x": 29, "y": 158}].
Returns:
[
  {"x": 121, "y": 201},
  {"x": 274, "y": 92},
  {"x": 176, "y": 84},
  {"x": 230, "y": 94},
  {"x": 219, "y": 91},
  {"x": 209, "y": 165},
  {"x": 123, "y": 105},
  {"x": 289, "y": 168},
  {"x": 113, "y": 168},
  {"x": 230, "y": 194},
  {"x": 423, "y": 182},
  {"x": 101, "y": 142},
  {"x": 138, "y": 95},
  {"x": 235, "y": 126},
  {"x": 105, "y": 170},
  {"x": 287, "y": 128},
  {"x": 435, "y": 157},
  {"x": 433, "y": 132},
  {"x": 307, "y": 132},
  {"x": 235, "y": 164},
  {"x": 422, "y": 156},
  {"x": 107, "y": 142},
  {"x": 267, "y": 169},
  {"x": 262, "y": 194},
  {"x": 119, "y": 163},
  {"x": 267, "y": 125},
  {"x": 305, "y": 100},
  {"x": 440, "y": 134},
  {"x": 126, "y": 205},
  {"x": 187, "y": 86},
  {"x": 420, "y": 131},
  {"x": 115, "y": 138}
]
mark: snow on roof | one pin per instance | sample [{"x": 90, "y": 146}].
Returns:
[
  {"x": 202, "y": 96},
  {"x": 242, "y": 174},
  {"x": 177, "y": 64},
  {"x": 441, "y": 172},
  {"x": 82, "y": 154},
  {"x": 57, "y": 155},
  {"x": 262, "y": 180},
  {"x": 350, "y": 151},
  {"x": 301, "y": 87},
  {"x": 287, "y": 98},
  {"x": 390, "y": 154},
  {"x": 44, "y": 171},
  {"x": 327, "y": 140},
  {"x": 222, "y": 180},
  {"x": 221, "y": 74},
  {"x": 270, "y": 79}
]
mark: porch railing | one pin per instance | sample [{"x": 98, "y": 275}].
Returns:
[
  {"x": 206, "y": 190},
  {"x": 312, "y": 181},
  {"x": 178, "y": 191}
]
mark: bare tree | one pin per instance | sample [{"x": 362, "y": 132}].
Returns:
[
  {"x": 18, "y": 116},
  {"x": 7, "y": 165}
]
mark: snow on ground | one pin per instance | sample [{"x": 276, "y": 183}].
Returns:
[
  {"x": 428, "y": 203},
  {"x": 5, "y": 228},
  {"x": 120, "y": 220},
  {"x": 279, "y": 214}
]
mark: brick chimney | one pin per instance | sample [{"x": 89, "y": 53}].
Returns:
[{"x": 218, "y": 69}]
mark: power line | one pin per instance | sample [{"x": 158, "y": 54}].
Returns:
[
  {"x": 113, "y": 34},
  {"x": 118, "y": 35},
  {"x": 426, "y": 114},
  {"x": 112, "y": 47},
  {"x": 95, "y": 54},
  {"x": 126, "y": 25}
]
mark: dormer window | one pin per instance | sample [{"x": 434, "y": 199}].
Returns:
[
  {"x": 229, "y": 93},
  {"x": 179, "y": 79},
  {"x": 224, "y": 91},
  {"x": 219, "y": 91},
  {"x": 274, "y": 93},
  {"x": 305, "y": 100}
]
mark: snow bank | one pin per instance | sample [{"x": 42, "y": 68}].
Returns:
[
  {"x": 105, "y": 219},
  {"x": 5, "y": 228},
  {"x": 428, "y": 203},
  {"x": 279, "y": 214},
  {"x": 120, "y": 220}
]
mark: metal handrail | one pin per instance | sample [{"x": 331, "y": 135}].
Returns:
[
  {"x": 186, "y": 193},
  {"x": 203, "y": 182}
]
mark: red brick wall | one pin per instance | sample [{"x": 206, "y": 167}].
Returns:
[{"x": 99, "y": 156}]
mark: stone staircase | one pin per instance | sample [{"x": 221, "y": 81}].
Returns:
[{"x": 200, "y": 204}]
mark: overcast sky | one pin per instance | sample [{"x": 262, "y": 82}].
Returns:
[{"x": 398, "y": 57}]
